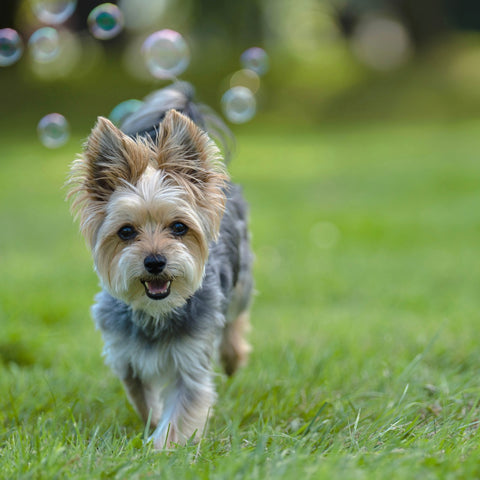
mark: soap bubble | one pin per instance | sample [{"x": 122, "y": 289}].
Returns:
[
  {"x": 44, "y": 44},
  {"x": 11, "y": 47},
  {"x": 239, "y": 105},
  {"x": 124, "y": 110},
  {"x": 63, "y": 62},
  {"x": 53, "y": 130},
  {"x": 105, "y": 21},
  {"x": 166, "y": 54},
  {"x": 255, "y": 59},
  {"x": 53, "y": 12}
]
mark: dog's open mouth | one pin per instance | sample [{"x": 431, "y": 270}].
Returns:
[{"x": 157, "y": 289}]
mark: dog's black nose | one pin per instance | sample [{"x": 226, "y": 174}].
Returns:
[{"x": 155, "y": 264}]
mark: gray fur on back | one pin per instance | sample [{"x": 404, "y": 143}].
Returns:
[{"x": 178, "y": 96}]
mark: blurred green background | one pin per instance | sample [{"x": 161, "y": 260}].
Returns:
[
  {"x": 366, "y": 123},
  {"x": 331, "y": 60},
  {"x": 366, "y": 119},
  {"x": 361, "y": 169}
]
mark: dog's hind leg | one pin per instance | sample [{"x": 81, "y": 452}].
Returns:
[{"x": 234, "y": 349}]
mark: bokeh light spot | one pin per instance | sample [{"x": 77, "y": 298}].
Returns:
[
  {"x": 381, "y": 43},
  {"x": 140, "y": 15},
  {"x": 245, "y": 78}
]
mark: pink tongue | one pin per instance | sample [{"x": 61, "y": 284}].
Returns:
[{"x": 157, "y": 287}]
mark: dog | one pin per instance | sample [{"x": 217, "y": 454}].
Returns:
[{"x": 169, "y": 236}]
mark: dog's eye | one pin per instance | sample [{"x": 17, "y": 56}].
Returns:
[
  {"x": 178, "y": 229},
  {"x": 127, "y": 232}
]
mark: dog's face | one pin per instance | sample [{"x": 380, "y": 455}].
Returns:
[{"x": 149, "y": 211}]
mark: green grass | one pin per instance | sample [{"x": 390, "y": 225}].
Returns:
[{"x": 365, "y": 361}]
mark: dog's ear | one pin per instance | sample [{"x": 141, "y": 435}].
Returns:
[
  {"x": 110, "y": 157},
  {"x": 186, "y": 150},
  {"x": 193, "y": 160}
]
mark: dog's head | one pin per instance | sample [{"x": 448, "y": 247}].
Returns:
[{"x": 149, "y": 210}]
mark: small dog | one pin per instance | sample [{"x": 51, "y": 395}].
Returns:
[{"x": 169, "y": 238}]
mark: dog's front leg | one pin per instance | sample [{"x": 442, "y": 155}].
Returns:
[
  {"x": 145, "y": 398},
  {"x": 186, "y": 409}
]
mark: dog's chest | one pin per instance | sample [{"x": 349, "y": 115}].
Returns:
[{"x": 170, "y": 360}]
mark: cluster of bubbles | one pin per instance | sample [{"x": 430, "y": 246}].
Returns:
[
  {"x": 165, "y": 53},
  {"x": 238, "y": 102},
  {"x": 45, "y": 44}
]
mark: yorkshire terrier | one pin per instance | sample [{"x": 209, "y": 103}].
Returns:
[{"x": 169, "y": 239}]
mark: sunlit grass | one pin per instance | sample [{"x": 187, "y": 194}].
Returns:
[{"x": 365, "y": 359}]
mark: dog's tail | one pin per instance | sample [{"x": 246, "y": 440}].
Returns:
[{"x": 178, "y": 96}]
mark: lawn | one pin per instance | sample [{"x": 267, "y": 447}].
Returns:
[{"x": 365, "y": 325}]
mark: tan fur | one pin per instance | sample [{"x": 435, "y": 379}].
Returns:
[
  {"x": 193, "y": 160},
  {"x": 234, "y": 349},
  {"x": 111, "y": 160}
]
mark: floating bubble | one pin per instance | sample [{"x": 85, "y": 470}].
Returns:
[
  {"x": 11, "y": 47},
  {"x": 166, "y": 54},
  {"x": 53, "y": 130},
  {"x": 255, "y": 59},
  {"x": 53, "y": 12},
  {"x": 44, "y": 44},
  {"x": 124, "y": 110},
  {"x": 239, "y": 105},
  {"x": 64, "y": 62},
  {"x": 105, "y": 21}
]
